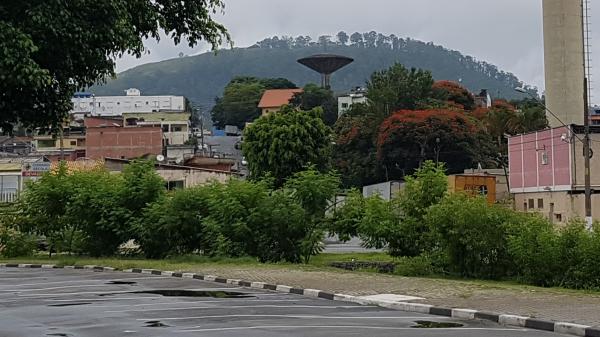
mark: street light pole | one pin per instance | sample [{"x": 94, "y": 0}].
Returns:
[{"x": 587, "y": 154}]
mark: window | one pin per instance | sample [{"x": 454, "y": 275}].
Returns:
[
  {"x": 558, "y": 217},
  {"x": 344, "y": 105},
  {"x": 9, "y": 184},
  {"x": 531, "y": 203},
  {"x": 177, "y": 128},
  {"x": 174, "y": 185},
  {"x": 544, "y": 158},
  {"x": 525, "y": 206},
  {"x": 165, "y": 128},
  {"x": 45, "y": 143},
  {"x": 540, "y": 203},
  {"x": 73, "y": 143}
]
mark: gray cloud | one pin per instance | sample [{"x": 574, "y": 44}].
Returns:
[{"x": 507, "y": 33}]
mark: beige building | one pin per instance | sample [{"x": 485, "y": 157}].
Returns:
[
  {"x": 175, "y": 125},
  {"x": 177, "y": 176},
  {"x": 563, "y": 60},
  {"x": 272, "y": 100}
]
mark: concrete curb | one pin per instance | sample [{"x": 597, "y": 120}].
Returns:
[{"x": 464, "y": 314}]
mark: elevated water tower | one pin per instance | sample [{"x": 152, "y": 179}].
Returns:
[{"x": 325, "y": 64}]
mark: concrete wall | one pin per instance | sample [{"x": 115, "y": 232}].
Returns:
[
  {"x": 579, "y": 163},
  {"x": 560, "y": 207},
  {"x": 563, "y": 59},
  {"x": 540, "y": 161},
  {"x": 192, "y": 177}
]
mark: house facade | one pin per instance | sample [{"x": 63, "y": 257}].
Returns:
[{"x": 547, "y": 172}]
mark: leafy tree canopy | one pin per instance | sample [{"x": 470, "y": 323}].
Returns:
[
  {"x": 239, "y": 103},
  {"x": 283, "y": 143},
  {"x": 50, "y": 49},
  {"x": 314, "y": 96}
]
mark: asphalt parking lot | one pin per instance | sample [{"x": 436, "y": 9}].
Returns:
[{"x": 73, "y": 303}]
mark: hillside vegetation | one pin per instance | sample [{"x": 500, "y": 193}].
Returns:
[{"x": 203, "y": 77}]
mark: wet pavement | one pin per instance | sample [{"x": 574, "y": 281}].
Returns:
[{"x": 72, "y": 303}]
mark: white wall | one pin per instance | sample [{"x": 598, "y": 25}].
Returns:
[{"x": 117, "y": 105}]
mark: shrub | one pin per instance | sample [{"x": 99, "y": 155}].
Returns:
[
  {"x": 535, "y": 248},
  {"x": 14, "y": 243},
  {"x": 175, "y": 224},
  {"x": 472, "y": 234},
  {"x": 415, "y": 266}
]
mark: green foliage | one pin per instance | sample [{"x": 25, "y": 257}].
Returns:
[
  {"x": 14, "y": 243},
  {"x": 283, "y": 143},
  {"x": 239, "y": 103},
  {"x": 314, "y": 96},
  {"x": 415, "y": 266},
  {"x": 174, "y": 224},
  {"x": 44, "y": 60},
  {"x": 473, "y": 235},
  {"x": 212, "y": 72},
  {"x": 141, "y": 186},
  {"x": 398, "y": 88}
]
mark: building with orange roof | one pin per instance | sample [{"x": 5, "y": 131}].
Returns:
[{"x": 273, "y": 99}]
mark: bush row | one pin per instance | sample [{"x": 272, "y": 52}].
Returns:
[
  {"x": 465, "y": 236},
  {"x": 95, "y": 212}
]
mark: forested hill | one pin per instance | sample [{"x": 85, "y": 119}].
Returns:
[{"x": 203, "y": 77}]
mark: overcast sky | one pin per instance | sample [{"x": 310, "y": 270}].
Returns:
[{"x": 507, "y": 33}]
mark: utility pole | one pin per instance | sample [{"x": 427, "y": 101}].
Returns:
[{"x": 587, "y": 154}]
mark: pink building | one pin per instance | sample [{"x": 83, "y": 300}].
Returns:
[{"x": 547, "y": 172}]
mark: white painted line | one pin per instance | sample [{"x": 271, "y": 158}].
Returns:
[
  {"x": 54, "y": 288},
  {"x": 246, "y": 306},
  {"x": 88, "y": 281},
  {"x": 281, "y": 316},
  {"x": 257, "y": 285},
  {"x": 106, "y": 299},
  {"x": 188, "y": 275},
  {"x": 353, "y": 327},
  {"x": 186, "y": 302},
  {"x": 210, "y": 278},
  {"x": 391, "y": 298},
  {"x": 463, "y": 313}
]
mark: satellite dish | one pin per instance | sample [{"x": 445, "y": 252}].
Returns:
[{"x": 160, "y": 157}]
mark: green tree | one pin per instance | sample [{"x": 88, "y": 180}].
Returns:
[
  {"x": 399, "y": 88},
  {"x": 314, "y": 96},
  {"x": 50, "y": 49},
  {"x": 343, "y": 38},
  {"x": 283, "y": 143},
  {"x": 239, "y": 103}
]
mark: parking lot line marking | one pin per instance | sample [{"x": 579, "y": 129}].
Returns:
[
  {"x": 339, "y": 327},
  {"x": 227, "y": 300},
  {"x": 104, "y": 299},
  {"x": 55, "y": 288},
  {"x": 87, "y": 281},
  {"x": 283, "y": 316},
  {"x": 248, "y": 306}
]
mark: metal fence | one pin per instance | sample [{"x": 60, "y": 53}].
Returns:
[{"x": 7, "y": 197}]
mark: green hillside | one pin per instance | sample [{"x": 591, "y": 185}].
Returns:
[{"x": 203, "y": 77}]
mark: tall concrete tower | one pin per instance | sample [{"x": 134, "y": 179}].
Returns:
[{"x": 564, "y": 60}]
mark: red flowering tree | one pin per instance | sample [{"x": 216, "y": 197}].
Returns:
[
  {"x": 407, "y": 138},
  {"x": 453, "y": 93}
]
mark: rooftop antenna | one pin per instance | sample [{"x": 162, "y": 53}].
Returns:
[{"x": 325, "y": 64}]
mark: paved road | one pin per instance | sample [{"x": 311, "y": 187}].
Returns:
[{"x": 73, "y": 303}]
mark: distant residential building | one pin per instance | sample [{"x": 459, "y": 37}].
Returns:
[
  {"x": 595, "y": 115},
  {"x": 177, "y": 154},
  {"x": 345, "y": 102},
  {"x": 501, "y": 177},
  {"x": 133, "y": 101},
  {"x": 547, "y": 172},
  {"x": 483, "y": 100},
  {"x": 176, "y": 176},
  {"x": 70, "y": 146},
  {"x": 124, "y": 142},
  {"x": 474, "y": 185},
  {"x": 14, "y": 146},
  {"x": 15, "y": 172},
  {"x": 175, "y": 126},
  {"x": 272, "y": 100},
  {"x": 387, "y": 190}
]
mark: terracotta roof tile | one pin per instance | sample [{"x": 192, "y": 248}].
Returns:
[{"x": 275, "y": 98}]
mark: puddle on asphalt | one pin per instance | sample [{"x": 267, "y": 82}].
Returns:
[
  {"x": 58, "y": 334},
  {"x": 69, "y": 304},
  {"x": 122, "y": 282},
  {"x": 156, "y": 324},
  {"x": 435, "y": 325},
  {"x": 195, "y": 293}
]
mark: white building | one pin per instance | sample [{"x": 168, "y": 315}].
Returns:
[
  {"x": 345, "y": 102},
  {"x": 133, "y": 101}
]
